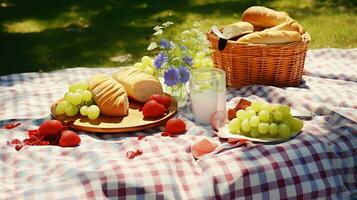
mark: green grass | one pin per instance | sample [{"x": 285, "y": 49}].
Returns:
[{"x": 41, "y": 35}]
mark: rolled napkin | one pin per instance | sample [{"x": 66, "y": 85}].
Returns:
[
  {"x": 109, "y": 95},
  {"x": 261, "y": 16},
  {"x": 237, "y": 29},
  {"x": 271, "y": 37},
  {"x": 139, "y": 85}
]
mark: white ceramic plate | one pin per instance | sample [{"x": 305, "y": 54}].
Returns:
[{"x": 225, "y": 133}]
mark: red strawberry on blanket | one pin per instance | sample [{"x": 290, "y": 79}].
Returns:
[
  {"x": 50, "y": 128},
  {"x": 175, "y": 126},
  {"x": 153, "y": 109},
  {"x": 69, "y": 139}
]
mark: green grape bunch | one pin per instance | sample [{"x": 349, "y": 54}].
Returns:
[
  {"x": 78, "y": 99},
  {"x": 262, "y": 119}
]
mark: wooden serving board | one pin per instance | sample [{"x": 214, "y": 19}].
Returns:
[{"x": 134, "y": 121}]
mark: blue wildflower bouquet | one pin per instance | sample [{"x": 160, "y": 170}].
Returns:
[{"x": 174, "y": 60}]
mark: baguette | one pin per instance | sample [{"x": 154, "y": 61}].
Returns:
[
  {"x": 264, "y": 17},
  {"x": 237, "y": 29},
  {"x": 139, "y": 85},
  {"x": 109, "y": 95},
  {"x": 271, "y": 37},
  {"x": 288, "y": 26}
]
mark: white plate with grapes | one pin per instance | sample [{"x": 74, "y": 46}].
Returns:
[{"x": 263, "y": 122}]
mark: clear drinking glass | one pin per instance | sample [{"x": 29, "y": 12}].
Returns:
[{"x": 207, "y": 93}]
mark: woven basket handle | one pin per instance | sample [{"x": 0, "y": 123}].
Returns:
[{"x": 222, "y": 42}]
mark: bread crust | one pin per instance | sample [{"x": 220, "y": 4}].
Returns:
[
  {"x": 288, "y": 26},
  {"x": 237, "y": 29},
  {"x": 139, "y": 85},
  {"x": 271, "y": 37},
  {"x": 109, "y": 95},
  {"x": 264, "y": 17}
]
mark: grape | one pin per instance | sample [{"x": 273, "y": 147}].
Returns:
[
  {"x": 86, "y": 95},
  {"x": 73, "y": 98},
  {"x": 287, "y": 121},
  {"x": 207, "y": 62},
  {"x": 139, "y": 66},
  {"x": 267, "y": 107},
  {"x": 284, "y": 131},
  {"x": 149, "y": 70},
  {"x": 278, "y": 116},
  {"x": 273, "y": 129},
  {"x": 284, "y": 109},
  {"x": 254, "y": 132},
  {"x": 197, "y": 63},
  {"x": 248, "y": 108},
  {"x": 93, "y": 112},
  {"x": 82, "y": 85},
  {"x": 275, "y": 107},
  {"x": 73, "y": 87},
  {"x": 80, "y": 91},
  {"x": 90, "y": 102},
  {"x": 146, "y": 61},
  {"x": 234, "y": 125},
  {"x": 83, "y": 110},
  {"x": 256, "y": 105},
  {"x": 250, "y": 113},
  {"x": 271, "y": 118},
  {"x": 263, "y": 128},
  {"x": 264, "y": 116},
  {"x": 71, "y": 110},
  {"x": 245, "y": 125},
  {"x": 254, "y": 121},
  {"x": 297, "y": 124},
  {"x": 61, "y": 107},
  {"x": 241, "y": 114}
]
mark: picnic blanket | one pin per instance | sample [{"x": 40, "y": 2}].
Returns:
[{"x": 320, "y": 163}]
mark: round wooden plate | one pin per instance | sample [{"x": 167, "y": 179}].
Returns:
[{"x": 134, "y": 121}]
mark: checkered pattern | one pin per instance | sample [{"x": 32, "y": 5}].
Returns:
[{"x": 320, "y": 163}]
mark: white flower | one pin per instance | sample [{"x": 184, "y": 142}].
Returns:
[
  {"x": 152, "y": 46},
  {"x": 167, "y": 24},
  {"x": 158, "y": 32},
  {"x": 185, "y": 32},
  {"x": 196, "y": 24},
  {"x": 157, "y": 28}
]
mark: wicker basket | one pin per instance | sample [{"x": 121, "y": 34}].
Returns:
[{"x": 246, "y": 64}]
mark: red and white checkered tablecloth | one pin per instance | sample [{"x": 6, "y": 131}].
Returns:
[{"x": 320, "y": 163}]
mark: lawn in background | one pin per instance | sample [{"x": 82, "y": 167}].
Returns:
[{"x": 43, "y": 35}]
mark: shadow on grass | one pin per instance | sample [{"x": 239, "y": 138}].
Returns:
[
  {"x": 87, "y": 33},
  {"x": 41, "y": 35}
]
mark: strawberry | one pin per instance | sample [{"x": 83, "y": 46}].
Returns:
[
  {"x": 175, "y": 126},
  {"x": 162, "y": 99},
  {"x": 69, "y": 139},
  {"x": 153, "y": 109},
  {"x": 50, "y": 128}
]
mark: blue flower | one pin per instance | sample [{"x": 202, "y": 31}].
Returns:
[
  {"x": 188, "y": 60},
  {"x": 184, "y": 74},
  {"x": 160, "y": 59},
  {"x": 166, "y": 44},
  {"x": 171, "y": 77}
]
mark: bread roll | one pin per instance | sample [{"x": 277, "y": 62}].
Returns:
[
  {"x": 109, "y": 95},
  {"x": 237, "y": 29},
  {"x": 288, "y": 26},
  {"x": 261, "y": 16},
  {"x": 139, "y": 85},
  {"x": 271, "y": 37}
]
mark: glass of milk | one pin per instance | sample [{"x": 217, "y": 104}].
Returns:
[{"x": 207, "y": 93}]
